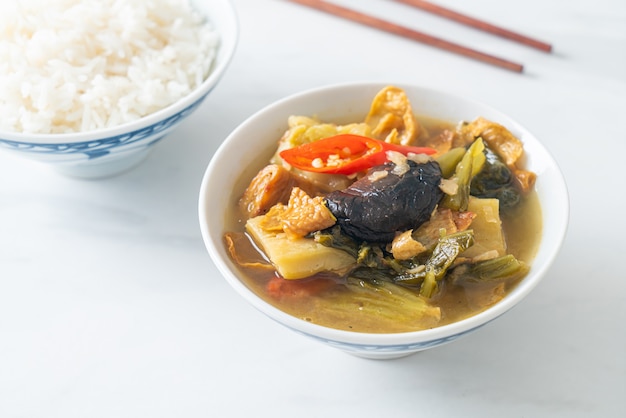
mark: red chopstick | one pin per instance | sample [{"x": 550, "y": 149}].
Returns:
[
  {"x": 409, "y": 33},
  {"x": 478, "y": 24}
]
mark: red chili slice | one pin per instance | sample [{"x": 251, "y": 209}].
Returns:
[{"x": 344, "y": 154}]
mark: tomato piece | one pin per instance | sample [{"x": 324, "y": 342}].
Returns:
[
  {"x": 344, "y": 154},
  {"x": 278, "y": 287}
]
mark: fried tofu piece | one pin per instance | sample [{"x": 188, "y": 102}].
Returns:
[
  {"x": 391, "y": 117},
  {"x": 270, "y": 186},
  {"x": 498, "y": 138},
  {"x": 302, "y": 214},
  {"x": 404, "y": 247},
  {"x": 449, "y": 220}
]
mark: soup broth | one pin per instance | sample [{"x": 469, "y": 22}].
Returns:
[{"x": 346, "y": 303}]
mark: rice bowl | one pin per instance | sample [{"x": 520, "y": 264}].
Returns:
[{"x": 95, "y": 103}]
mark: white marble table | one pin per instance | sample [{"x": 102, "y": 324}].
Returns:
[{"x": 111, "y": 307}]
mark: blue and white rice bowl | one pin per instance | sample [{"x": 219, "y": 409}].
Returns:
[
  {"x": 112, "y": 150},
  {"x": 238, "y": 158}
]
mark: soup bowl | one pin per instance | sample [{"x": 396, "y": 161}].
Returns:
[
  {"x": 248, "y": 148},
  {"x": 109, "y": 151}
]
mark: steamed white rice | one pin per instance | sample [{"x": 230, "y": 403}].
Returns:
[{"x": 78, "y": 65}]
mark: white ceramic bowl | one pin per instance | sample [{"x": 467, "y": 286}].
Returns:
[
  {"x": 106, "y": 152},
  {"x": 249, "y": 147}
]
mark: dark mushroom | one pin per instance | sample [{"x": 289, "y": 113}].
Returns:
[
  {"x": 376, "y": 206},
  {"x": 495, "y": 180}
]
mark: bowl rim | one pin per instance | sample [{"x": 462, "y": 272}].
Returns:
[
  {"x": 226, "y": 52},
  {"x": 383, "y": 339}
]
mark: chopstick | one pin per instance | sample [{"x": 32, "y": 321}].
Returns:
[
  {"x": 405, "y": 32},
  {"x": 478, "y": 24}
]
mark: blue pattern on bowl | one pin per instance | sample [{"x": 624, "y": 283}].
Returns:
[
  {"x": 100, "y": 147},
  {"x": 387, "y": 351}
]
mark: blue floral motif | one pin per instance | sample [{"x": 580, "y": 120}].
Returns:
[{"x": 101, "y": 147}]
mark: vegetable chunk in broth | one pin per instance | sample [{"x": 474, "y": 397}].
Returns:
[{"x": 395, "y": 223}]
